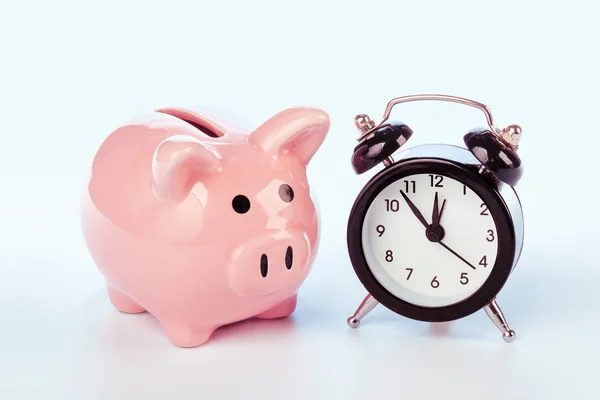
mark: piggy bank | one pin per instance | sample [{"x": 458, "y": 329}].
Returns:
[{"x": 201, "y": 222}]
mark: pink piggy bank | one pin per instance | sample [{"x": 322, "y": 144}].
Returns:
[{"x": 202, "y": 223}]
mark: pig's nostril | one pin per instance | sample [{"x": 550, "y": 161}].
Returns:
[
  {"x": 289, "y": 257},
  {"x": 264, "y": 265}
]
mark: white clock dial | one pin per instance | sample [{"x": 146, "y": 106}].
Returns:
[{"x": 413, "y": 268}]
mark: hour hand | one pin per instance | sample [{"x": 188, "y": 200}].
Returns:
[{"x": 415, "y": 210}]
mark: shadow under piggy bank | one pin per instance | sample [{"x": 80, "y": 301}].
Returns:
[{"x": 111, "y": 330}]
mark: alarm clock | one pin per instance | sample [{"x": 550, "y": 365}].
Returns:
[{"x": 434, "y": 235}]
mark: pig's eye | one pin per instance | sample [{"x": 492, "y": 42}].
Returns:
[
  {"x": 240, "y": 204},
  {"x": 286, "y": 193}
]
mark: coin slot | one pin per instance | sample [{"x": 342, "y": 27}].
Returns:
[{"x": 204, "y": 125}]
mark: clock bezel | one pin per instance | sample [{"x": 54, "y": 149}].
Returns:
[{"x": 467, "y": 174}]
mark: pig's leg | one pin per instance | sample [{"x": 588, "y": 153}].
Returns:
[
  {"x": 283, "y": 309},
  {"x": 186, "y": 335},
  {"x": 123, "y": 303}
]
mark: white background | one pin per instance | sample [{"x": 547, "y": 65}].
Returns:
[{"x": 71, "y": 72}]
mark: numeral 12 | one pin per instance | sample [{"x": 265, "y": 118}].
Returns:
[{"x": 437, "y": 178}]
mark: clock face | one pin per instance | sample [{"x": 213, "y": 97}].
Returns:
[{"x": 421, "y": 262}]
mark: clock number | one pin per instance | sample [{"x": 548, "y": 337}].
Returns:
[
  {"x": 410, "y": 270},
  {"x": 392, "y": 205},
  {"x": 464, "y": 189},
  {"x": 463, "y": 278},
  {"x": 435, "y": 283},
  {"x": 407, "y": 185},
  {"x": 485, "y": 209},
  {"x": 483, "y": 261},
  {"x": 380, "y": 229},
  {"x": 439, "y": 180},
  {"x": 491, "y": 236},
  {"x": 389, "y": 256}
]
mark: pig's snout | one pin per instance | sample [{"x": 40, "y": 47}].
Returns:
[{"x": 269, "y": 263}]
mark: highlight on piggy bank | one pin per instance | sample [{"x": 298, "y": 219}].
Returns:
[{"x": 203, "y": 223}]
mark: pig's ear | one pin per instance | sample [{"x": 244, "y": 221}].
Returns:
[
  {"x": 297, "y": 131},
  {"x": 178, "y": 163}
]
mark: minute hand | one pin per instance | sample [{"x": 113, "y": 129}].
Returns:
[{"x": 415, "y": 210}]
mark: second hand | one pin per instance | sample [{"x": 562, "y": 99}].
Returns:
[{"x": 457, "y": 255}]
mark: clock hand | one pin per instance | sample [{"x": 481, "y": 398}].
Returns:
[
  {"x": 415, "y": 210},
  {"x": 437, "y": 212},
  {"x": 441, "y": 210},
  {"x": 456, "y": 254}
]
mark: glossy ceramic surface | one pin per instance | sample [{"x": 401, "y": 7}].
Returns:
[{"x": 203, "y": 223}]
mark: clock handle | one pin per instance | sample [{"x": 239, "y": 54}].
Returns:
[
  {"x": 495, "y": 314},
  {"x": 509, "y": 136},
  {"x": 496, "y": 149},
  {"x": 367, "y": 305},
  {"x": 433, "y": 97}
]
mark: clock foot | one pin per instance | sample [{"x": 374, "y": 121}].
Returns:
[
  {"x": 367, "y": 305},
  {"x": 495, "y": 314}
]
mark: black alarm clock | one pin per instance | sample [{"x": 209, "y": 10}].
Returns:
[{"x": 436, "y": 233}]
